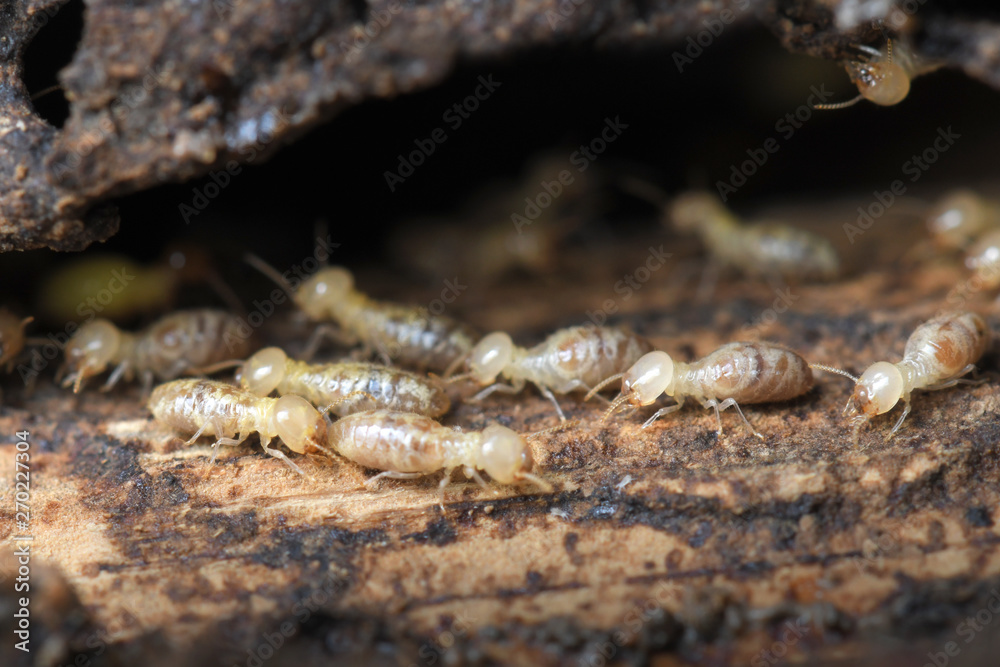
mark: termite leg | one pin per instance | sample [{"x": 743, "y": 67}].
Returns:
[
  {"x": 547, "y": 393},
  {"x": 278, "y": 454},
  {"x": 115, "y": 376},
  {"x": 322, "y": 331},
  {"x": 498, "y": 386},
  {"x": 391, "y": 474},
  {"x": 229, "y": 442},
  {"x": 663, "y": 411},
  {"x": 474, "y": 475},
  {"x": 729, "y": 402},
  {"x": 906, "y": 411},
  {"x": 957, "y": 379}
]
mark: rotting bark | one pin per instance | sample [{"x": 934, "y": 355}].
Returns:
[{"x": 170, "y": 91}]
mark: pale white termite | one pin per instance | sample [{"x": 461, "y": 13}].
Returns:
[
  {"x": 231, "y": 414},
  {"x": 407, "y": 446},
  {"x": 937, "y": 354},
  {"x": 408, "y": 335},
  {"x": 760, "y": 248},
  {"x": 571, "y": 359},
  {"x": 882, "y": 77},
  {"x": 984, "y": 258},
  {"x": 184, "y": 342},
  {"x": 960, "y": 216},
  {"x": 347, "y": 387},
  {"x": 745, "y": 372}
]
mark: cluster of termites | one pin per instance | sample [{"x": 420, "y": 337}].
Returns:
[{"x": 384, "y": 415}]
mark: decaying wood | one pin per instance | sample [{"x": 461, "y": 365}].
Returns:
[
  {"x": 667, "y": 542},
  {"x": 169, "y": 91}
]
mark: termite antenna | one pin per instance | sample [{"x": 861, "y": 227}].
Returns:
[
  {"x": 455, "y": 365},
  {"x": 269, "y": 271},
  {"x": 615, "y": 404},
  {"x": 216, "y": 367},
  {"x": 831, "y": 369},
  {"x": 542, "y": 485},
  {"x": 839, "y": 105},
  {"x": 45, "y": 91},
  {"x": 458, "y": 378},
  {"x": 601, "y": 385}
]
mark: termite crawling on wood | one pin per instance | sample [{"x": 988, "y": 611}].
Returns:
[
  {"x": 937, "y": 354},
  {"x": 188, "y": 341},
  {"x": 756, "y": 248},
  {"x": 410, "y": 336},
  {"x": 571, "y": 359},
  {"x": 231, "y": 414},
  {"x": 348, "y": 387},
  {"x": 407, "y": 446},
  {"x": 733, "y": 374}
]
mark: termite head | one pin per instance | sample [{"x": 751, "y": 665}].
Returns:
[
  {"x": 328, "y": 286},
  {"x": 958, "y": 218},
  {"x": 506, "y": 457},
  {"x": 298, "y": 424},
  {"x": 884, "y": 82},
  {"x": 649, "y": 377},
  {"x": 490, "y": 356},
  {"x": 90, "y": 350},
  {"x": 876, "y": 392},
  {"x": 263, "y": 372}
]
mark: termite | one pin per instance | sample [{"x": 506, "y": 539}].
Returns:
[
  {"x": 209, "y": 407},
  {"x": 374, "y": 385},
  {"x": 407, "y": 446},
  {"x": 76, "y": 290},
  {"x": 188, "y": 341},
  {"x": 757, "y": 249},
  {"x": 960, "y": 216},
  {"x": 571, "y": 359},
  {"x": 11, "y": 336},
  {"x": 760, "y": 248},
  {"x": 735, "y": 373},
  {"x": 984, "y": 258},
  {"x": 937, "y": 354},
  {"x": 408, "y": 335},
  {"x": 882, "y": 77}
]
